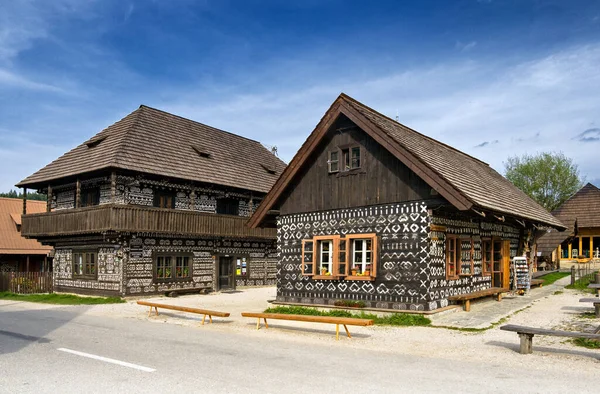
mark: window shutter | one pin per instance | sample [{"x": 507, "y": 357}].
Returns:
[
  {"x": 342, "y": 257},
  {"x": 308, "y": 257},
  {"x": 374, "y": 255}
]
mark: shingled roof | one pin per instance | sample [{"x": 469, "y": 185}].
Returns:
[
  {"x": 11, "y": 241},
  {"x": 582, "y": 208},
  {"x": 156, "y": 142},
  {"x": 463, "y": 180}
]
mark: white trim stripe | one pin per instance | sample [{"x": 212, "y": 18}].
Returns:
[{"x": 107, "y": 360}]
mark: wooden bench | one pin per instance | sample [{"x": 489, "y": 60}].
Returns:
[
  {"x": 537, "y": 282},
  {"x": 595, "y": 286},
  {"x": 204, "y": 312},
  {"x": 344, "y": 321},
  {"x": 595, "y": 301},
  {"x": 526, "y": 335},
  {"x": 467, "y": 297}
]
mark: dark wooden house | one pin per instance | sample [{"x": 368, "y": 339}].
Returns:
[
  {"x": 155, "y": 203},
  {"x": 581, "y": 242},
  {"x": 372, "y": 210}
]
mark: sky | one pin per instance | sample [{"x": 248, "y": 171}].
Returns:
[{"x": 493, "y": 78}]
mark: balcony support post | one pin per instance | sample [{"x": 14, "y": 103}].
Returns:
[
  {"x": 24, "y": 201},
  {"x": 193, "y": 200},
  {"x": 113, "y": 187},
  {"x": 78, "y": 194},
  {"x": 49, "y": 199}
]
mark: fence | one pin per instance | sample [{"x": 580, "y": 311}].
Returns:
[
  {"x": 584, "y": 272},
  {"x": 26, "y": 282}
]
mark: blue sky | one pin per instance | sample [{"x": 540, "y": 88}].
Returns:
[{"x": 493, "y": 78}]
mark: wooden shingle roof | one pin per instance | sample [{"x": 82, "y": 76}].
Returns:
[
  {"x": 11, "y": 241},
  {"x": 156, "y": 142},
  {"x": 582, "y": 208},
  {"x": 463, "y": 180}
]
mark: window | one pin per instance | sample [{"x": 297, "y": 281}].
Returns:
[
  {"x": 466, "y": 256},
  {"x": 325, "y": 257},
  {"x": 362, "y": 250},
  {"x": 351, "y": 157},
  {"x": 334, "y": 161},
  {"x": 228, "y": 206},
  {"x": 84, "y": 264},
  {"x": 90, "y": 197},
  {"x": 451, "y": 257},
  {"x": 172, "y": 267},
  {"x": 164, "y": 199},
  {"x": 487, "y": 253}
]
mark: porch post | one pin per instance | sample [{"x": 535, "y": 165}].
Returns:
[
  {"x": 24, "y": 201},
  {"x": 49, "y": 200},
  {"x": 193, "y": 199},
  {"x": 78, "y": 194},
  {"x": 27, "y": 264},
  {"x": 113, "y": 187}
]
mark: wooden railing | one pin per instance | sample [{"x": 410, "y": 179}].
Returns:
[
  {"x": 132, "y": 218},
  {"x": 26, "y": 282}
]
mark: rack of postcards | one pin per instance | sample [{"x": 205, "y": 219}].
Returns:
[{"x": 522, "y": 275}]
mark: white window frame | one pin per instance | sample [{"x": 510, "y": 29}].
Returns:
[
  {"x": 363, "y": 253},
  {"x": 330, "y": 161},
  {"x": 329, "y": 263}
]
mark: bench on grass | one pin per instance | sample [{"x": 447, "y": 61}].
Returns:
[
  {"x": 537, "y": 282},
  {"x": 595, "y": 301},
  {"x": 204, "y": 312},
  {"x": 526, "y": 335},
  {"x": 595, "y": 286},
  {"x": 344, "y": 321},
  {"x": 467, "y": 297}
]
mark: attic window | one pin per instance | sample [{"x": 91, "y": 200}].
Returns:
[
  {"x": 270, "y": 170},
  {"x": 201, "y": 152},
  {"x": 95, "y": 141}
]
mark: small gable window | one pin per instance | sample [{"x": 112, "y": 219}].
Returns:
[
  {"x": 334, "y": 161},
  {"x": 351, "y": 157},
  {"x": 164, "y": 199}
]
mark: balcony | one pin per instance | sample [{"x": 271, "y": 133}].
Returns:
[{"x": 133, "y": 218}]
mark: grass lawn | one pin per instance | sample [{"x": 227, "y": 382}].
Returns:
[
  {"x": 553, "y": 277},
  {"x": 396, "y": 319},
  {"x": 60, "y": 299},
  {"x": 587, "y": 343},
  {"x": 582, "y": 285}
]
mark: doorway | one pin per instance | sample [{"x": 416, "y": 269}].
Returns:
[
  {"x": 226, "y": 273},
  {"x": 501, "y": 263}
]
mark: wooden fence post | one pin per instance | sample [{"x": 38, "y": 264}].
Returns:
[{"x": 572, "y": 275}]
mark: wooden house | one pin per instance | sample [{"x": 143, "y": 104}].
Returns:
[
  {"x": 372, "y": 210},
  {"x": 156, "y": 203},
  {"x": 581, "y": 242},
  {"x": 17, "y": 253}
]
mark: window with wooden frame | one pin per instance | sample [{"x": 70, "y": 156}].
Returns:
[
  {"x": 164, "y": 199},
  {"x": 466, "y": 256},
  {"x": 85, "y": 264},
  {"x": 487, "y": 253},
  {"x": 308, "y": 257},
  {"x": 90, "y": 197},
  {"x": 363, "y": 256},
  {"x": 172, "y": 267},
  {"x": 351, "y": 158},
  {"x": 333, "y": 161},
  {"x": 452, "y": 256}
]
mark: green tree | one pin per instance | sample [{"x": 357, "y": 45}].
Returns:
[
  {"x": 548, "y": 178},
  {"x": 30, "y": 196}
]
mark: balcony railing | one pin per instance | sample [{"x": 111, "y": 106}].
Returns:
[{"x": 133, "y": 218}]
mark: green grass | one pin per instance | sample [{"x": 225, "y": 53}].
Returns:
[
  {"x": 582, "y": 285},
  {"x": 553, "y": 277},
  {"x": 395, "y": 319},
  {"x": 60, "y": 299},
  {"x": 557, "y": 292},
  {"x": 588, "y": 315},
  {"x": 587, "y": 343}
]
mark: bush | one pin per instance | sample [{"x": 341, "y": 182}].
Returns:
[{"x": 350, "y": 303}]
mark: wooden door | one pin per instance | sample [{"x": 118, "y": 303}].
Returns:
[
  {"x": 226, "y": 272},
  {"x": 506, "y": 264}
]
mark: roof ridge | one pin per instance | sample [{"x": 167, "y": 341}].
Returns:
[
  {"x": 119, "y": 149},
  {"x": 346, "y": 97}
]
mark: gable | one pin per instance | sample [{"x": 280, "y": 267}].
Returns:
[{"x": 380, "y": 179}]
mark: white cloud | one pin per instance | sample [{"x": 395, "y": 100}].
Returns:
[
  {"x": 465, "y": 46},
  {"x": 9, "y": 79}
]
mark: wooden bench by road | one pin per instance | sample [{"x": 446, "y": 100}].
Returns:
[
  {"x": 595, "y": 286},
  {"x": 467, "y": 297},
  {"x": 344, "y": 321},
  {"x": 595, "y": 301},
  {"x": 204, "y": 312},
  {"x": 526, "y": 335}
]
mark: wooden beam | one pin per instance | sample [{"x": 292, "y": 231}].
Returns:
[
  {"x": 49, "y": 199},
  {"x": 78, "y": 193},
  {"x": 24, "y": 201},
  {"x": 193, "y": 199},
  {"x": 27, "y": 264}
]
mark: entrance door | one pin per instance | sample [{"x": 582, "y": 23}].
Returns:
[
  {"x": 501, "y": 263},
  {"x": 225, "y": 272}
]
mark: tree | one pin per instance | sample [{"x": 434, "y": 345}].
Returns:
[
  {"x": 30, "y": 196},
  {"x": 548, "y": 178}
]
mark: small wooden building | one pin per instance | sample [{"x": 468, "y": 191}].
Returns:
[
  {"x": 17, "y": 253},
  {"x": 156, "y": 203},
  {"x": 581, "y": 242},
  {"x": 372, "y": 210}
]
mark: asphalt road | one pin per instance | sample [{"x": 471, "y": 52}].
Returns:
[{"x": 64, "y": 351}]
